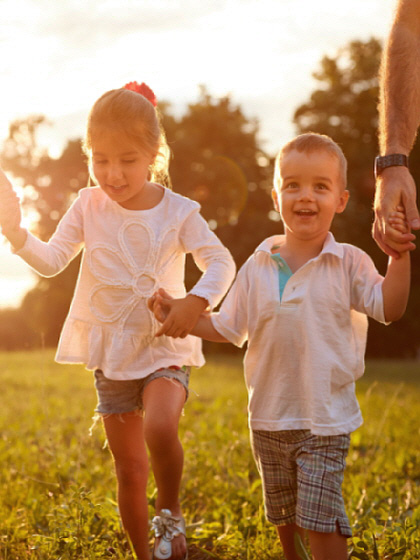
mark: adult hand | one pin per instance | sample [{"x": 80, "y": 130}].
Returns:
[{"x": 395, "y": 186}]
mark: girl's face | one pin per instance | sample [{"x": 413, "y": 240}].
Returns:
[{"x": 121, "y": 169}]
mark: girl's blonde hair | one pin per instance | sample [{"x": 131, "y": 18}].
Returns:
[
  {"x": 308, "y": 143},
  {"x": 126, "y": 111}
]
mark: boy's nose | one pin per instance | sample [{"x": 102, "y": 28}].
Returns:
[{"x": 306, "y": 193}]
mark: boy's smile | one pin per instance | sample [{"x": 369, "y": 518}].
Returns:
[{"x": 310, "y": 193}]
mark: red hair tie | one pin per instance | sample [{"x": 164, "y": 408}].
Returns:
[{"x": 143, "y": 90}]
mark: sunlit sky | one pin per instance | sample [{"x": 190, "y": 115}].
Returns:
[{"x": 57, "y": 57}]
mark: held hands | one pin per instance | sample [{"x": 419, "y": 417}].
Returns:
[
  {"x": 178, "y": 316},
  {"x": 395, "y": 187},
  {"x": 398, "y": 220}
]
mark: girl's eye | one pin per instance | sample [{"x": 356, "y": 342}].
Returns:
[
  {"x": 99, "y": 161},
  {"x": 128, "y": 160},
  {"x": 291, "y": 185}
]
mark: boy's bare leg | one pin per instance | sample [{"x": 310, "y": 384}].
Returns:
[
  {"x": 328, "y": 546},
  {"x": 286, "y": 534}
]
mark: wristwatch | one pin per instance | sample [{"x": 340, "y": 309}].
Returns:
[{"x": 391, "y": 160}]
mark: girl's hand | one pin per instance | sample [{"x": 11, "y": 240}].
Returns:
[
  {"x": 10, "y": 213},
  {"x": 179, "y": 315}
]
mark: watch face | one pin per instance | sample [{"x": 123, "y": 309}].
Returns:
[{"x": 391, "y": 160}]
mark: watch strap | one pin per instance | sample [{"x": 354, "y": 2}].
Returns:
[{"x": 390, "y": 160}]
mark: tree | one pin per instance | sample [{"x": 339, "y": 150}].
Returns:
[
  {"x": 345, "y": 107},
  {"x": 49, "y": 187},
  {"x": 50, "y": 184},
  {"x": 216, "y": 161}
]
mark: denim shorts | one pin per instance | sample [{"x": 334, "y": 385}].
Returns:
[
  {"x": 121, "y": 396},
  {"x": 302, "y": 476}
]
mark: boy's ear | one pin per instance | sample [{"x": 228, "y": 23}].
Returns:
[
  {"x": 275, "y": 197},
  {"x": 342, "y": 203}
]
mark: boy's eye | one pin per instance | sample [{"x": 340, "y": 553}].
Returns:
[
  {"x": 291, "y": 185},
  {"x": 321, "y": 186}
]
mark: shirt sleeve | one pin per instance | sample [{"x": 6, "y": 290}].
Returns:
[
  {"x": 50, "y": 258},
  {"x": 232, "y": 319},
  {"x": 366, "y": 287},
  {"x": 211, "y": 257}
]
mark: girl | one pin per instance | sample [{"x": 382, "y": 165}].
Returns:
[{"x": 135, "y": 234}]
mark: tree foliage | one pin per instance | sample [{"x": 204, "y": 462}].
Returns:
[
  {"x": 344, "y": 106},
  {"x": 217, "y": 160}
]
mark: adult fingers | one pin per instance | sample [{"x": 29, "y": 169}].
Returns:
[{"x": 411, "y": 210}]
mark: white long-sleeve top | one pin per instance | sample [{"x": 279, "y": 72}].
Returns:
[
  {"x": 305, "y": 350},
  {"x": 127, "y": 255}
]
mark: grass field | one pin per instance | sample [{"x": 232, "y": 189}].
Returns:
[{"x": 57, "y": 491}]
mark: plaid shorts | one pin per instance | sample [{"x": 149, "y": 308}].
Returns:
[{"x": 302, "y": 476}]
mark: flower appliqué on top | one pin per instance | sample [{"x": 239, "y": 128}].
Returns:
[{"x": 127, "y": 277}]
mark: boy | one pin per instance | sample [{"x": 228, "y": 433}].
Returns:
[{"x": 301, "y": 301}]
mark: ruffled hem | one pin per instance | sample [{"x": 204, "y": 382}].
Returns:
[{"x": 123, "y": 354}]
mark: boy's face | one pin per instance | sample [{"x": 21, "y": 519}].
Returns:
[{"x": 310, "y": 193}]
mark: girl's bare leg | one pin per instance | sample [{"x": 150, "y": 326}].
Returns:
[
  {"x": 126, "y": 441},
  {"x": 163, "y": 401}
]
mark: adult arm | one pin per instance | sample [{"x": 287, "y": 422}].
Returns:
[{"x": 399, "y": 119}]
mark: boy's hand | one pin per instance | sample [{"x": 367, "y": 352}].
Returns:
[
  {"x": 179, "y": 315},
  {"x": 155, "y": 305},
  {"x": 397, "y": 220}
]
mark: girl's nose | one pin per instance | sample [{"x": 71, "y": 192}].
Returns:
[{"x": 114, "y": 173}]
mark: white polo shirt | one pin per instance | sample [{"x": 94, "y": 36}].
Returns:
[{"x": 306, "y": 350}]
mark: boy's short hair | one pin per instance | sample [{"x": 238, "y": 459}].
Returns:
[{"x": 311, "y": 142}]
